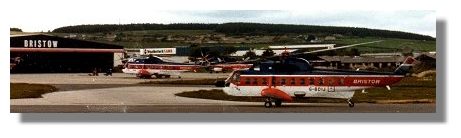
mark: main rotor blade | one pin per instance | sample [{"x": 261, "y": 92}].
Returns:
[{"x": 341, "y": 47}]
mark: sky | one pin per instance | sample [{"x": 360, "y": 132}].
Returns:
[{"x": 413, "y": 21}]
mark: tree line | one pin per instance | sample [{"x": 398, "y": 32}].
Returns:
[
  {"x": 15, "y": 29},
  {"x": 96, "y": 28},
  {"x": 247, "y": 29}
]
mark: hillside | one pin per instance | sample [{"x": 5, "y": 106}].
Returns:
[
  {"x": 245, "y": 34},
  {"x": 247, "y": 29}
]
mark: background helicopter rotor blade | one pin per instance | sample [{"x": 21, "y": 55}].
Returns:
[{"x": 341, "y": 47}]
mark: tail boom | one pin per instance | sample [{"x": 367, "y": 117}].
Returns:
[{"x": 405, "y": 67}]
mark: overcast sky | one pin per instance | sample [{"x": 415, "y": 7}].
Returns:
[{"x": 416, "y": 21}]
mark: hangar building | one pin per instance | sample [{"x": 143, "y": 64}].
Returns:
[{"x": 40, "y": 53}]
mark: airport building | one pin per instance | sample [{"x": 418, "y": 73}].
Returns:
[{"x": 40, "y": 53}]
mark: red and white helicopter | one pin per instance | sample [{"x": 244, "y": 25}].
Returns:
[
  {"x": 155, "y": 66},
  {"x": 223, "y": 66},
  {"x": 295, "y": 77}
]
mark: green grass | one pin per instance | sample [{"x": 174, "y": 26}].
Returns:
[
  {"x": 25, "y": 90},
  {"x": 409, "y": 90},
  {"x": 169, "y": 32},
  {"x": 389, "y": 45}
]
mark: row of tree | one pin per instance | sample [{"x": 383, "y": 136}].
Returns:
[
  {"x": 96, "y": 28},
  {"x": 258, "y": 29},
  {"x": 15, "y": 30},
  {"x": 246, "y": 29}
]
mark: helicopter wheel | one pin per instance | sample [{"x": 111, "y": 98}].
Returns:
[
  {"x": 268, "y": 104},
  {"x": 351, "y": 104},
  {"x": 278, "y": 103}
]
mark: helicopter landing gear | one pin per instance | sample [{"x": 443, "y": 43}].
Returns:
[
  {"x": 278, "y": 102},
  {"x": 351, "y": 104},
  {"x": 268, "y": 103}
]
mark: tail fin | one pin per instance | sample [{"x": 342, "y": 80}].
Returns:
[{"x": 405, "y": 67}]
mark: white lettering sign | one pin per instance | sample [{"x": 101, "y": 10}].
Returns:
[
  {"x": 366, "y": 81},
  {"x": 40, "y": 43},
  {"x": 157, "y": 51},
  {"x": 318, "y": 89}
]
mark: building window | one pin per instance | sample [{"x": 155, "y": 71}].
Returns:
[
  {"x": 283, "y": 81},
  {"x": 255, "y": 80},
  {"x": 292, "y": 81},
  {"x": 321, "y": 81}
]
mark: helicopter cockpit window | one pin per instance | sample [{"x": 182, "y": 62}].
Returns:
[{"x": 236, "y": 77}]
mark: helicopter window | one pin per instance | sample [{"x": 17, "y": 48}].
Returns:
[
  {"x": 247, "y": 81},
  {"x": 341, "y": 81},
  {"x": 282, "y": 81},
  {"x": 311, "y": 81},
  {"x": 292, "y": 81},
  {"x": 321, "y": 81},
  {"x": 255, "y": 80},
  {"x": 236, "y": 78},
  {"x": 302, "y": 81},
  {"x": 264, "y": 81},
  {"x": 331, "y": 81}
]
